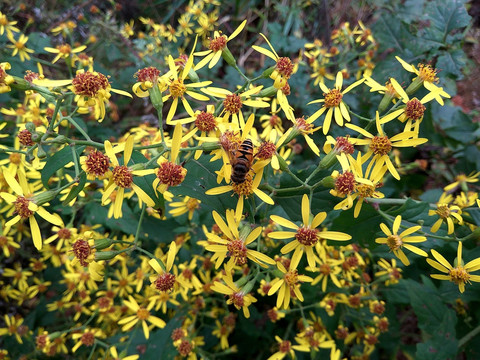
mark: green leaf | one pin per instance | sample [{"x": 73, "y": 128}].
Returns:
[
  {"x": 412, "y": 210},
  {"x": 364, "y": 228},
  {"x": 75, "y": 189},
  {"x": 447, "y": 15},
  {"x": 429, "y": 308},
  {"x": 58, "y": 161},
  {"x": 452, "y": 63},
  {"x": 200, "y": 177}
]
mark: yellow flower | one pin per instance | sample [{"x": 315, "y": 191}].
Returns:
[
  {"x": 306, "y": 236},
  {"x": 413, "y": 110},
  {"x": 447, "y": 213},
  {"x": 87, "y": 338},
  {"x": 236, "y": 296},
  {"x": 122, "y": 178},
  {"x": 169, "y": 173},
  {"x": 391, "y": 271},
  {"x": 235, "y": 244},
  {"x": 460, "y": 274},
  {"x": 5, "y": 79},
  {"x": 287, "y": 284},
  {"x": 188, "y": 204},
  {"x": 25, "y": 205},
  {"x": 7, "y": 26},
  {"x": 19, "y": 47},
  {"x": 178, "y": 89},
  {"x": 461, "y": 181},
  {"x": 380, "y": 145},
  {"x": 216, "y": 47},
  {"x": 284, "y": 67},
  {"x": 286, "y": 348},
  {"x": 167, "y": 281},
  {"x": 233, "y": 102},
  {"x": 396, "y": 241},
  {"x": 64, "y": 51},
  {"x": 92, "y": 88},
  {"x": 142, "y": 314},
  {"x": 12, "y": 327},
  {"x": 333, "y": 102}
]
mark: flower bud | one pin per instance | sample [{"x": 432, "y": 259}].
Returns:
[
  {"x": 156, "y": 97},
  {"x": 266, "y": 74},
  {"x": 414, "y": 86},
  {"x": 209, "y": 146},
  {"x": 249, "y": 286},
  {"x": 268, "y": 92},
  {"x": 192, "y": 75},
  {"x": 328, "y": 160},
  {"x": 44, "y": 197},
  {"x": 41, "y": 152},
  {"x": 30, "y": 126},
  {"x": 105, "y": 255},
  {"x": 283, "y": 163},
  {"x": 386, "y": 100},
  {"x": 228, "y": 57},
  {"x": 101, "y": 244}
]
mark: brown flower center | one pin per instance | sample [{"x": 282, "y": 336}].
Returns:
[
  {"x": 394, "y": 242},
  {"x": 246, "y": 187},
  {"x": 266, "y": 150},
  {"x": 238, "y": 251},
  {"x": 165, "y": 282},
  {"x": 232, "y": 103},
  {"x": 25, "y": 137},
  {"x": 291, "y": 277},
  {"x": 97, "y": 163},
  {"x": 218, "y": 44},
  {"x": 89, "y": 83},
  {"x": 88, "y": 339},
  {"x": 285, "y": 67},
  {"x": 443, "y": 211},
  {"x": 381, "y": 145},
  {"x": 414, "y": 109},
  {"x": 122, "y": 176},
  {"x": 147, "y": 74},
  {"x": 333, "y": 98},
  {"x": 205, "y": 121},
  {"x": 345, "y": 183},
  {"x": 307, "y": 236},
  {"x": 343, "y": 145},
  {"x": 21, "y": 207},
  {"x": 81, "y": 250},
  {"x": 171, "y": 174},
  {"x": 177, "y": 89}
]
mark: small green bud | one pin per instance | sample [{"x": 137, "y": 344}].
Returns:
[
  {"x": 386, "y": 100},
  {"x": 328, "y": 160},
  {"x": 283, "y": 163},
  {"x": 156, "y": 97},
  {"x": 266, "y": 74},
  {"x": 105, "y": 255},
  {"x": 228, "y": 57},
  {"x": 101, "y": 244},
  {"x": 414, "y": 86},
  {"x": 209, "y": 146},
  {"x": 242, "y": 281},
  {"x": 30, "y": 127},
  {"x": 268, "y": 92},
  {"x": 41, "y": 152},
  {"x": 44, "y": 197},
  {"x": 328, "y": 182},
  {"x": 249, "y": 286},
  {"x": 192, "y": 75}
]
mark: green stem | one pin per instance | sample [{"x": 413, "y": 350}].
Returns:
[
  {"x": 464, "y": 340},
  {"x": 137, "y": 233}
]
